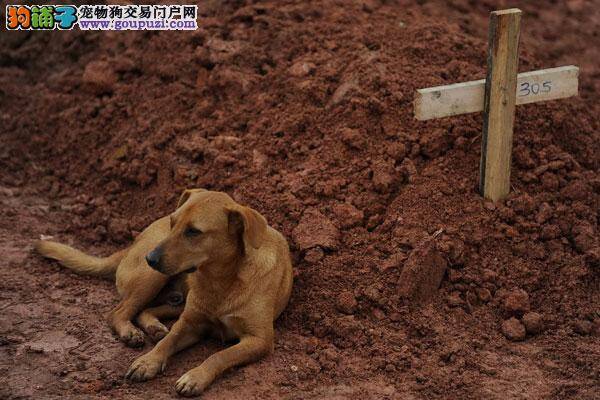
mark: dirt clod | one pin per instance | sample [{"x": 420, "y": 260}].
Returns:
[
  {"x": 422, "y": 273},
  {"x": 516, "y": 302},
  {"x": 314, "y": 230},
  {"x": 513, "y": 329},
  {"x": 346, "y": 302},
  {"x": 347, "y": 215},
  {"x": 534, "y": 323}
]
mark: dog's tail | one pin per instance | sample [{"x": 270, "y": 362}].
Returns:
[{"x": 80, "y": 262}]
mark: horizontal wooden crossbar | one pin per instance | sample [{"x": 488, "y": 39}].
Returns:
[{"x": 467, "y": 97}]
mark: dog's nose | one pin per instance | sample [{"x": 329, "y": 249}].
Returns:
[{"x": 153, "y": 258}]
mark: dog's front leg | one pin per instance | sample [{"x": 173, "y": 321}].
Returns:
[
  {"x": 183, "y": 334},
  {"x": 249, "y": 349}
]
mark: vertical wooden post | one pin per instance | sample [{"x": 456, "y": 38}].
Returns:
[{"x": 499, "y": 103}]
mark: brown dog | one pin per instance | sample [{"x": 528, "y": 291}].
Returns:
[{"x": 234, "y": 270}]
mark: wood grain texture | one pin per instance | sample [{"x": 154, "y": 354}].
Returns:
[
  {"x": 468, "y": 97},
  {"x": 499, "y": 103}
]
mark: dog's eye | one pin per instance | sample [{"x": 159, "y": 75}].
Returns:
[{"x": 192, "y": 232}]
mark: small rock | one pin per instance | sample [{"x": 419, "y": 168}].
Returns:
[
  {"x": 516, "y": 302},
  {"x": 534, "y": 323},
  {"x": 314, "y": 230},
  {"x": 513, "y": 329},
  {"x": 301, "y": 69},
  {"x": 342, "y": 91},
  {"x": 346, "y": 303},
  {"x": 583, "y": 327}
]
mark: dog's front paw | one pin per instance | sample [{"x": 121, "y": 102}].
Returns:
[
  {"x": 157, "y": 331},
  {"x": 146, "y": 367},
  {"x": 193, "y": 382},
  {"x": 133, "y": 338}
]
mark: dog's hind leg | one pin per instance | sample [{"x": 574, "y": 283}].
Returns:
[
  {"x": 137, "y": 291},
  {"x": 149, "y": 319}
]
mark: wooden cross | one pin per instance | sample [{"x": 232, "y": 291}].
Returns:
[{"x": 497, "y": 96}]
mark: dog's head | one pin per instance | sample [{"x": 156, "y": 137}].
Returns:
[{"x": 207, "y": 229}]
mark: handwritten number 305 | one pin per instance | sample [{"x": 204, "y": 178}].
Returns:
[{"x": 527, "y": 88}]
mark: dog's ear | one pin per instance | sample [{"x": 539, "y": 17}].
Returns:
[
  {"x": 186, "y": 195},
  {"x": 248, "y": 223}
]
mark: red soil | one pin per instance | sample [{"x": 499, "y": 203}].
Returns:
[{"x": 304, "y": 112}]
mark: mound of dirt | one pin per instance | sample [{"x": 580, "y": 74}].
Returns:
[{"x": 303, "y": 110}]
